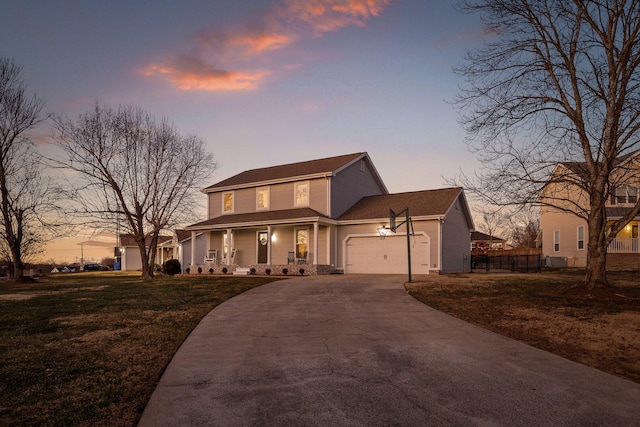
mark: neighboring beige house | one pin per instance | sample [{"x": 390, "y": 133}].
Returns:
[
  {"x": 564, "y": 235},
  {"x": 325, "y": 216}
]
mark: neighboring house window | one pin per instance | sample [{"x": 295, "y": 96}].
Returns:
[
  {"x": 581, "y": 237},
  {"x": 262, "y": 196},
  {"x": 302, "y": 243},
  {"x": 556, "y": 241},
  {"x": 362, "y": 168},
  {"x": 227, "y": 202},
  {"x": 302, "y": 194},
  {"x": 625, "y": 195}
]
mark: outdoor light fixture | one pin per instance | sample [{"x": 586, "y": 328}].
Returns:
[{"x": 383, "y": 231}]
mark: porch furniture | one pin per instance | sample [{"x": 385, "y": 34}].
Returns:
[
  {"x": 211, "y": 257},
  {"x": 225, "y": 260},
  {"x": 302, "y": 259},
  {"x": 291, "y": 258}
]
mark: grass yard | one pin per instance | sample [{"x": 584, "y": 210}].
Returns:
[
  {"x": 601, "y": 331},
  {"x": 89, "y": 348}
]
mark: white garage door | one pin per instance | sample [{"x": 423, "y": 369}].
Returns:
[{"x": 373, "y": 255}]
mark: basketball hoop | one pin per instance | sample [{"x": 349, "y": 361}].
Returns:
[{"x": 382, "y": 232}]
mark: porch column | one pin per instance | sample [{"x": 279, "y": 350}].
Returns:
[
  {"x": 316, "y": 227},
  {"x": 329, "y": 230},
  {"x": 193, "y": 247},
  {"x": 268, "y": 245},
  {"x": 229, "y": 247},
  {"x": 207, "y": 245}
]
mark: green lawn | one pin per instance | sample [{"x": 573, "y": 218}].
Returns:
[{"x": 89, "y": 348}]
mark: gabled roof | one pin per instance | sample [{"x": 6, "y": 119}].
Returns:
[
  {"x": 420, "y": 203},
  {"x": 329, "y": 165},
  {"x": 255, "y": 218},
  {"x": 580, "y": 168}
]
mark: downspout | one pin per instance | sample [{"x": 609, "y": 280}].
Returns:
[{"x": 441, "y": 221}]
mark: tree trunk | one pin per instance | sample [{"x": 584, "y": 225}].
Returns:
[
  {"x": 18, "y": 266},
  {"x": 596, "y": 274},
  {"x": 147, "y": 274}
]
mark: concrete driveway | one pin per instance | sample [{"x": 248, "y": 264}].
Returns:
[{"x": 358, "y": 351}]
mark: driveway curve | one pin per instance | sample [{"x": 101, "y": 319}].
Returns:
[{"x": 355, "y": 350}]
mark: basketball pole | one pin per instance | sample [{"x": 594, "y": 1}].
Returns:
[{"x": 394, "y": 226}]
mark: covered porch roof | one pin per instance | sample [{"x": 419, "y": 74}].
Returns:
[{"x": 255, "y": 219}]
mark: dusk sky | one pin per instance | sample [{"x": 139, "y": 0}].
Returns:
[{"x": 263, "y": 82}]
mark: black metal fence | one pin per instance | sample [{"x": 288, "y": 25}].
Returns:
[{"x": 523, "y": 263}]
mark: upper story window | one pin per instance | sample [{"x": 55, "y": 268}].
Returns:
[
  {"x": 302, "y": 194},
  {"x": 581, "y": 237},
  {"x": 625, "y": 195},
  {"x": 262, "y": 198},
  {"x": 227, "y": 202}
]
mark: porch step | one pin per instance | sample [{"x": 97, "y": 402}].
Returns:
[{"x": 242, "y": 272}]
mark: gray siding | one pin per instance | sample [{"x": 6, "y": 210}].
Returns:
[
  {"x": 350, "y": 185},
  {"x": 186, "y": 251},
  {"x": 456, "y": 241}
]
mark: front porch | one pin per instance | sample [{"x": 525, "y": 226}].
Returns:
[
  {"x": 623, "y": 246},
  {"x": 294, "y": 247}
]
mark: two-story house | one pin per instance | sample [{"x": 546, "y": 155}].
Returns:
[
  {"x": 323, "y": 216},
  {"x": 564, "y": 206}
]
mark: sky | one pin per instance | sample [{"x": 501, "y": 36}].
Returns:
[{"x": 263, "y": 82}]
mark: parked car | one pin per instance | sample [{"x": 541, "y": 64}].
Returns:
[{"x": 90, "y": 267}]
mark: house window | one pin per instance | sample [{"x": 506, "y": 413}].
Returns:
[
  {"x": 227, "y": 202},
  {"x": 581, "y": 237},
  {"x": 625, "y": 195},
  {"x": 262, "y": 198},
  {"x": 362, "y": 168},
  {"x": 302, "y": 243},
  {"x": 302, "y": 194},
  {"x": 556, "y": 241}
]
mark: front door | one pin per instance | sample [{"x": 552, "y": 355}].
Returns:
[{"x": 263, "y": 246}]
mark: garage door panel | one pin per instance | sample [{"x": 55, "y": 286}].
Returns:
[{"x": 373, "y": 255}]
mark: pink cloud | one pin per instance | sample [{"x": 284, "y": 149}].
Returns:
[
  {"x": 330, "y": 15},
  {"x": 192, "y": 73},
  {"x": 238, "y": 46}
]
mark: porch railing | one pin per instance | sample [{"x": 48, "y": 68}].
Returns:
[{"x": 623, "y": 246}]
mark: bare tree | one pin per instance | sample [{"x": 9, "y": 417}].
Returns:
[
  {"x": 27, "y": 207},
  {"x": 492, "y": 221},
  {"x": 125, "y": 163},
  {"x": 557, "y": 81}
]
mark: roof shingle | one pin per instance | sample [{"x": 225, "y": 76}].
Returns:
[
  {"x": 420, "y": 203},
  {"x": 291, "y": 170}
]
